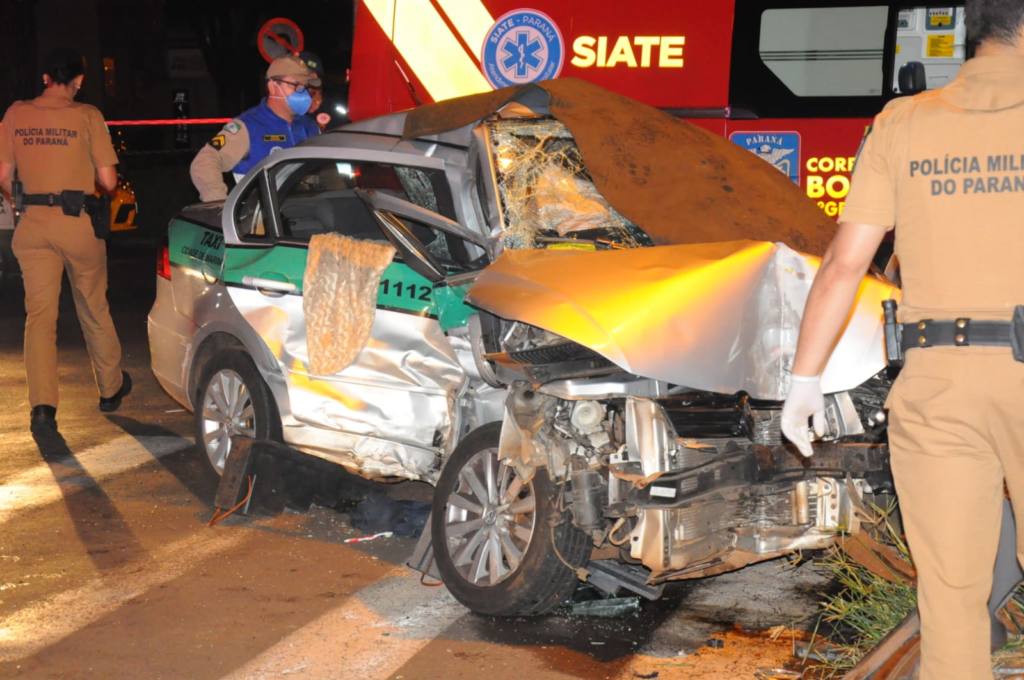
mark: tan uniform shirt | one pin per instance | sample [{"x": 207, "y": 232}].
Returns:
[
  {"x": 219, "y": 155},
  {"x": 55, "y": 143},
  {"x": 946, "y": 168}
]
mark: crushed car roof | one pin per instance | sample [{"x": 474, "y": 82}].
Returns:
[{"x": 677, "y": 181}]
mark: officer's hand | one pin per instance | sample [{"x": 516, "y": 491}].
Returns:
[{"x": 805, "y": 401}]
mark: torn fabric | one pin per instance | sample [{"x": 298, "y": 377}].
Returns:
[{"x": 340, "y": 298}]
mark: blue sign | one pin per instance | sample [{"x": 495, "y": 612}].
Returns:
[
  {"x": 781, "y": 149},
  {"x": 523, "y": 46}
]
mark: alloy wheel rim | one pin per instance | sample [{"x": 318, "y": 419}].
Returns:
[
  {"x": 227, "y": 412},
  {"x": 490, "y": 519}
]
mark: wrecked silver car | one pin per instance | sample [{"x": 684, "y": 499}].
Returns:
[{"x": 555, "y": 304}]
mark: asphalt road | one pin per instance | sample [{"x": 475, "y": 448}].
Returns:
[{"x": 108, "y": 568}]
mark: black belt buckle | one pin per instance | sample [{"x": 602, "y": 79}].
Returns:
[{"x": 1017, "y": 333}]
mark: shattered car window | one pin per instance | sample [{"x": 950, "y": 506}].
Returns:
[{"x": 547, "y": 196}]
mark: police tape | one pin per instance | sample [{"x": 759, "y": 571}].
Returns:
[{"x": 168, "y": 121}]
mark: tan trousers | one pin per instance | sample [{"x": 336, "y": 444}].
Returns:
[
  {"x": 956, "y": 432},
  {"x": 47, "y": 243}
]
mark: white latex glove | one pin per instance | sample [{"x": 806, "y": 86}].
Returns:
[{"x": 805, "y": 401}]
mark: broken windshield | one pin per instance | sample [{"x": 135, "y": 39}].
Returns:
[{"x": 547, "y": 195}]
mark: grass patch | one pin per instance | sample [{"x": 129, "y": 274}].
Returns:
[{"x": 865, "y": 605}]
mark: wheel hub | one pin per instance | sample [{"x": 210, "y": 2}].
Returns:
[
  {"x": 227, "y": 411},
  {"x": 490, "y": 520}
]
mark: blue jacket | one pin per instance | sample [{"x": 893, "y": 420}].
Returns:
[{"x": 268, "y": 131}]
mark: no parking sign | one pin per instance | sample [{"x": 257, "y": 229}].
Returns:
[{"x": 279, "y": 37}]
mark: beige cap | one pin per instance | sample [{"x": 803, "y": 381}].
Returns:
[{"x": 289, "y": 67}]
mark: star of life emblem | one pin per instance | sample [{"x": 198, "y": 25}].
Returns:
[{"x": 523, "y": 46}]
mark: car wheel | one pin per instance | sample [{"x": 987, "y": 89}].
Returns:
[
  {"x": 502, "y": 544},
  {"x": 232, "y": 400}
]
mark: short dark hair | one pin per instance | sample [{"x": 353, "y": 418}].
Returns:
[
  {"x": 63, "y": 65},
  {"x": 999, "y": 20}
]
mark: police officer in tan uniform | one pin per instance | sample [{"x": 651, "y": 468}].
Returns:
[
  {"x": 278, "y": 121},
  {"x": 946, "y": 169},
  {"x": 60, "y": 150}
]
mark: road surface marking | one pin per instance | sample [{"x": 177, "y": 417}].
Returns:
[
  {"x": 37, "y": 485},
  {"x": 38, "y": 626},
  {"x": 382, "y": 626}
]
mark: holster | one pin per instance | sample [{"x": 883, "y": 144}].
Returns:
[
  {"x": 893, "y": 335},
  {"x": 98, "y": 208},
  {"x": 1017, "y": 333},
  {"x": 71, "y": 202},
  {"x": 18, "y": 194}
]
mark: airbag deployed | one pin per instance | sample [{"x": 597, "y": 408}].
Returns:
[{"x": 340, "y": 298}]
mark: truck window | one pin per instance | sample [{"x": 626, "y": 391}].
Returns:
[
  {"x": 836, "y": 58},
  {"x": 825, "y": 51}
]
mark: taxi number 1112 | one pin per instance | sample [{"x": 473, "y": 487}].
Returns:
[{"x": 410, "y": 290}]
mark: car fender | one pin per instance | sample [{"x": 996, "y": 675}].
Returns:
[{"x": 217, "y": 317}]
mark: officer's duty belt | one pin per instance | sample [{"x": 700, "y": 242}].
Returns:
[
  {"x": 965, "y": 332},
  {"x": 71, "y": 202}
]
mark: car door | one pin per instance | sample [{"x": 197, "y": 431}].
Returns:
[{"x": 394, "y": 409}]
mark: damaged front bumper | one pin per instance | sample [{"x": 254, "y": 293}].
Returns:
[
  {"x": 727, "y": 494},
  {"x": 713, "y": 505}
]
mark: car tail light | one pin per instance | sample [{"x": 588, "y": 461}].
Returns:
[{"x": 163, "y": 262}]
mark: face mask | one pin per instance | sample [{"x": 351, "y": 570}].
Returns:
[{"x": 299, "y": 102}]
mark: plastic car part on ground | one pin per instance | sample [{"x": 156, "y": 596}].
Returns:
[
  {"x": 339, "y": 298},
  {"x": 721, "y": 317},
  {"x": 678, "y": 182}
]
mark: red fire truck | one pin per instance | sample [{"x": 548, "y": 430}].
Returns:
[{"x": 794, "y": 81}]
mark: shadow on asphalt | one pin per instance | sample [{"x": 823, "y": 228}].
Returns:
[
  {"x": 101, "y": 528},
  {"x": 191, "y": 472}
]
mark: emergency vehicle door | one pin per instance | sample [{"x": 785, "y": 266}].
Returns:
[
  {"x": 393, "y": 409},
  {"x": 808, "y": 79}
]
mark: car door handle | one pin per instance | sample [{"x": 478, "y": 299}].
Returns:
[{"x": 261, "y": 284}]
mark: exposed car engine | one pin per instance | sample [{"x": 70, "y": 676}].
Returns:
[{"x": 685, "y": 482}]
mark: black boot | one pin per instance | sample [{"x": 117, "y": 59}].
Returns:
[
  {"x": 43, "y": 418},
  {"x": 109, "y": 404}
]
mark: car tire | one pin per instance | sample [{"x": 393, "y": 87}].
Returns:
[
  {"x": 232, "y": 399},
  {"x": 528, "y": 584}
]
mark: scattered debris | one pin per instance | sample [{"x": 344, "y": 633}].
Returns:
[
  {"x": 875, "y": 597},
  {"x": 372, "y": 537},
  {"x": 776, "y": 674},
  {"x": 378, "y": 512},
  {"x": 609, "y": 608},
  {"x": 817, "y": 650}
]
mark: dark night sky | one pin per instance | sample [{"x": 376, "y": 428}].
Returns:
[{"x": 143, "y": 37}]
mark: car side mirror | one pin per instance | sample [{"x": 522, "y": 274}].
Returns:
[
  {"x": 912, "y": 78},
  {"x": 412, "y": 250}
]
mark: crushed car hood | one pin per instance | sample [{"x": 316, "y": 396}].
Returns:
[{"x": 722, "y": 317}]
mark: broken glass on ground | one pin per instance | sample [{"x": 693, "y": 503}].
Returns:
[{"x": 609, "y": 608}]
